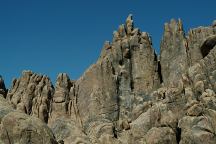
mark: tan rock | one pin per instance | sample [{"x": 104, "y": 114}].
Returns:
[{"x": 130, "y": 95}]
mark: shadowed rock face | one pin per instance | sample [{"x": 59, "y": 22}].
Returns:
[
  {"x": 208, "y": 45},
  {"x": 3, "y": 90},
  {"x": 130, "y": 95}
]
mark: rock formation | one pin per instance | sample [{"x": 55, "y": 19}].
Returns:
[
  {"x": 18, "y": 127},
  {"x": 130, "y": 95},
  {"x": 32, "y": 94}
]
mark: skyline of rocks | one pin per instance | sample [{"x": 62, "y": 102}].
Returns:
[{"x": 130, "y": 95}]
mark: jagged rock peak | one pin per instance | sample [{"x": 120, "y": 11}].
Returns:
[
  {"x": 127, "y": 96},
  {"x": 126, "y": 37},
  {"x": 62, "y": 88},
  {"x": 129, "y": 24},
  {"x": 32, "y": 94},
  {"x": 107, "y": 45},
  {"x": 173, "y": 48},
  {"x": 129, "y": 19},
  {"x": 174, "y": 26},
  {"x": 63, "y": 80},
  {"x": 125, "y": 30}
]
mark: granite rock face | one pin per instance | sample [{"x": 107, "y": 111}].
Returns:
[
  {"x": 20, "y": 128},
  {"x": 174, "y": 53},
  {"x": 130, "y": 95},
  {"x": 32, "y": 94}
]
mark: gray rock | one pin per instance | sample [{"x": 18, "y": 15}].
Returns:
[
  {"x": 173, "y": 56},
  {"x": 163, "y": 135}
]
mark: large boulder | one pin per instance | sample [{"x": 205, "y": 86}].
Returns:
[{"x": 17, "y": 127}]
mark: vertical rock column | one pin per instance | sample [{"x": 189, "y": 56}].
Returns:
[
  {"x": 145, "y": 71},
  {"x": 138, "y": 69},
  {"x": 124, "y": 70},
  {"x": 174, "y": 57},
  {"x": 61, "y": 97}
]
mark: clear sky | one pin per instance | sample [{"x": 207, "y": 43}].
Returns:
[{"x": 53, "y": 36}]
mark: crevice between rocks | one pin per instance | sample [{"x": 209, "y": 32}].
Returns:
[
  {"x": 159, "y": 72},
  {"x": 178, "y": 135}
]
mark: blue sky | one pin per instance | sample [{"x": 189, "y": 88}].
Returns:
[{"x": 53, "y": 36}]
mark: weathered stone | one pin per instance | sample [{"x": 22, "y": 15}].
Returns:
[
  {"x": 68, "y": 132},
  {"x": 195, "y": 110},
  {"x": 17, "y": 127},
  {"x": 20, "y": 128},
  {"x": 173, "y": 48},
  {"x": 5, "y": 108},
  {"x": 128, "y": 96},
  {"x": 129, "y": 24},
  {"x": 32, "y": 94},
  {"x": 163, "y": 135},
  {"x": 61, "y": 98}
]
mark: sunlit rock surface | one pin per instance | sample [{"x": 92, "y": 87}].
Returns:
[{"x": 130, "y": 95}]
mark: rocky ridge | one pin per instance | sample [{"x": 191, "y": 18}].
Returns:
[{"x": 130, "y": 95}]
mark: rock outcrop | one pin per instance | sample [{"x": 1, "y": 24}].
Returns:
[
  {"x": 174, "y": 53},
  {"x": 18, "y": 127},
  {"x": 61, "y": 97},
  {"x": 110, "y": 92},
  {"x": 130, "y": 95},
  {"x": 32, "y": 94}
]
